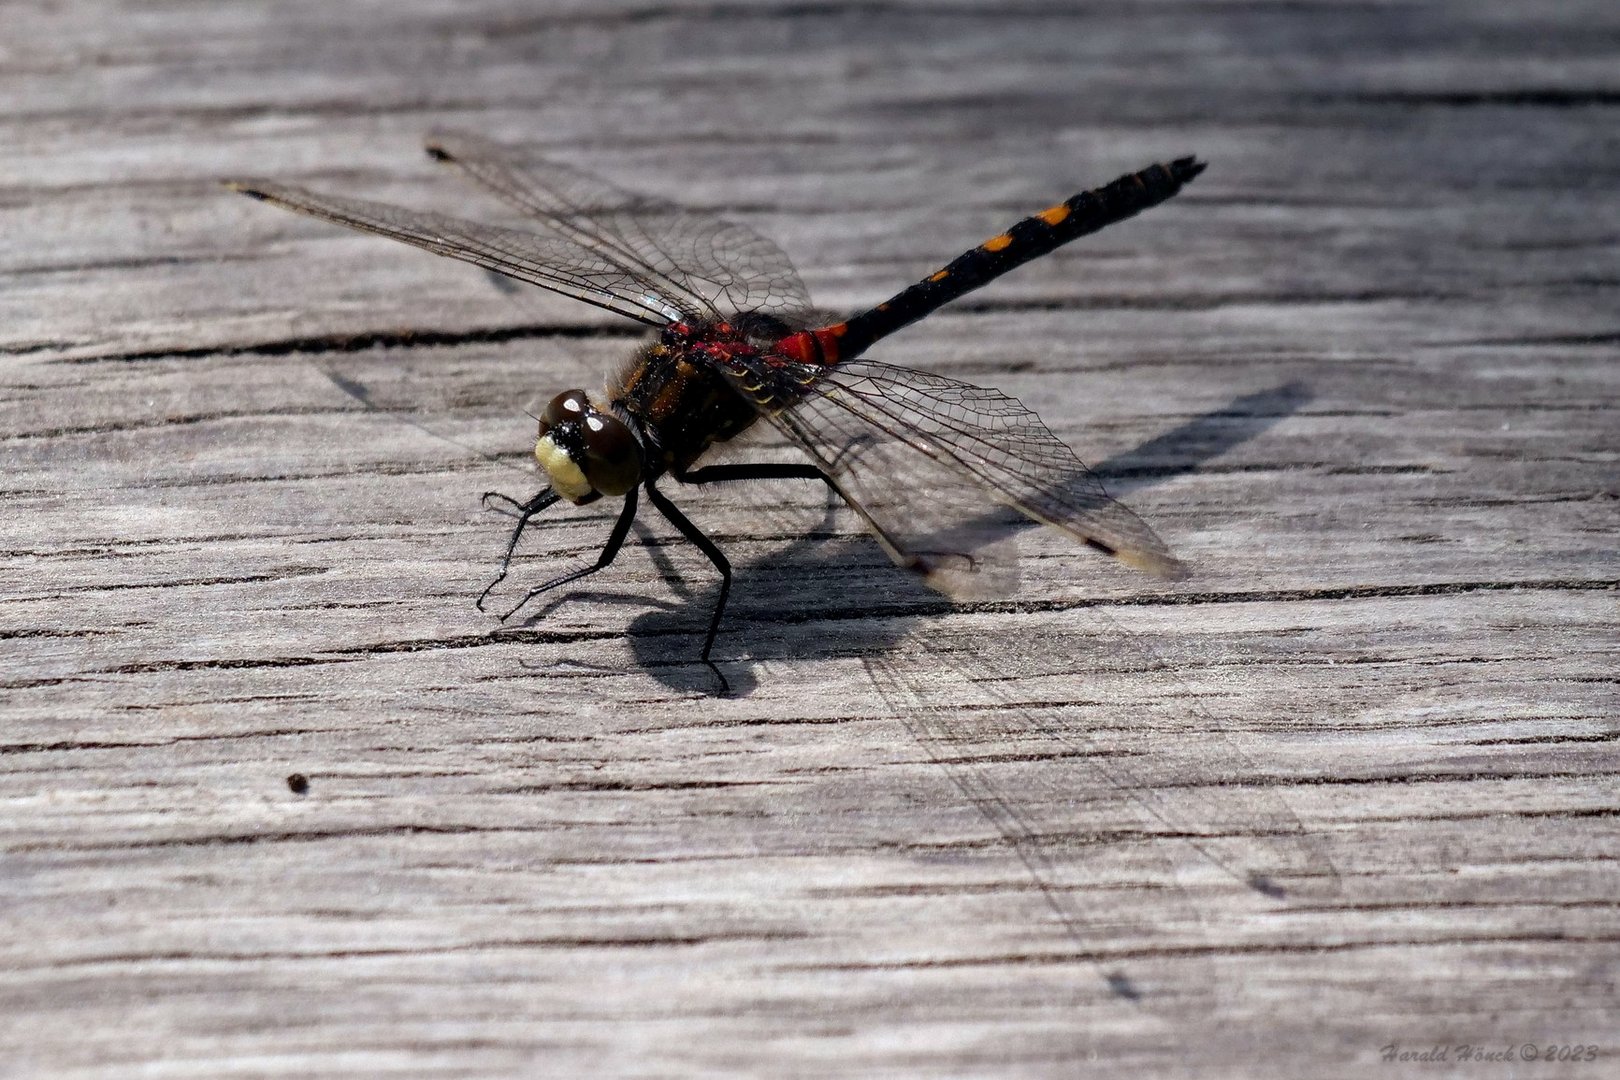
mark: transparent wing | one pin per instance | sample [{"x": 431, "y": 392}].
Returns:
[
  {"x": 927, "y": 460},
  {"x": 555, "y": 263},
  {"x": 1139, "y": 818},
  {"x": 711, "y": 266}
]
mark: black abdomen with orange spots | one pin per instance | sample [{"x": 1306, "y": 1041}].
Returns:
[{"x": 1029, "y": 239}]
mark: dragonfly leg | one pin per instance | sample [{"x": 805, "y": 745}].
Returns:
[
  {"x": 610, "y": 551},
  {"x": 525, "y": 511},
  {"x": 501, "y": 497},
  {"x": 719, "y": 474},
  {"x": 707, "y": 546}
]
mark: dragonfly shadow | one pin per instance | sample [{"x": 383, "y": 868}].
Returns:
[
  {"x": 1185, "y": 448},
  {"x": 798, "y": 602}
]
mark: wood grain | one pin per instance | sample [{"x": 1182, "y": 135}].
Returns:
[{"x": 1351, "y": 786}]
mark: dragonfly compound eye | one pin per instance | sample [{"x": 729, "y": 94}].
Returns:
[
  {"x": 612, "y": 455},
  {"x": 587, "y": 453},
  {"x": 566, "y": 406}
]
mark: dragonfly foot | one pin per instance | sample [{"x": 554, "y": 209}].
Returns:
[
  {"x": 725, "y": 687},
  {"x": 507, "y": 499}
]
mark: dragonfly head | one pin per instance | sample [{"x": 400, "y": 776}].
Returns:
[{"x": 585, "y": 451}]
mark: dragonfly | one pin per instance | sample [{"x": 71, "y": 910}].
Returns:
[{"x": 919, "y": 457}]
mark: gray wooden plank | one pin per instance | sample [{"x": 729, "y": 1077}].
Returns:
[{"x": 1361, "y": 375}]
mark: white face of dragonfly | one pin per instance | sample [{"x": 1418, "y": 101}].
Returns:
[{"x": 586, "y": 452}]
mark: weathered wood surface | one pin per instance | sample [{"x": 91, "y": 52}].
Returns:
[{"x": 1362, "y": 375}]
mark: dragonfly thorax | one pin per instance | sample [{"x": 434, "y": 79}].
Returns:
[
  {"x": 585, "y": 451},
  {"x": 680, "y": 393}
]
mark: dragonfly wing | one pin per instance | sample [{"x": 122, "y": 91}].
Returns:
[
  {"x": 1140, "y": 816},
  {"x": 556, "y": 263},
  {"x": 717, "y": 267},
  {"x": 927, "y": 461}
]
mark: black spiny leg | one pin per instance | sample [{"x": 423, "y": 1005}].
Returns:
[
  {"x": 610, "y": 550},
  {"x": 525, "y": 511},
  {"x": 707, "y": 546},
  {"x": 720, "y": 474},
  {"x": 712, "y": 474}
]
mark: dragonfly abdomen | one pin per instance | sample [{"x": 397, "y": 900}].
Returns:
[{"x": 1030, "y": 238}]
